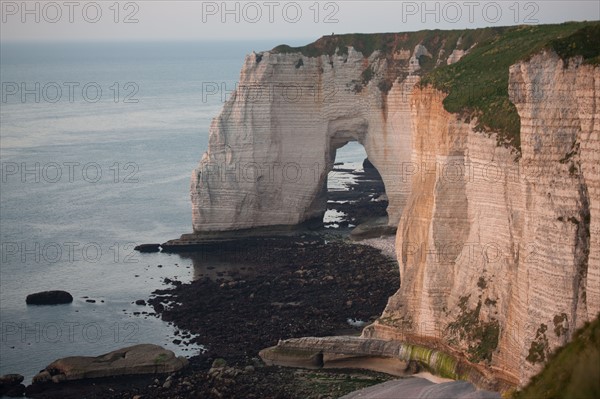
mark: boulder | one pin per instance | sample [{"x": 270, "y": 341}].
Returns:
[
  {"x": 10, "y": 385},
  {"x": 49, "y": 298},
  {"x": 11, "y": 379},
  {"x": 137, "y": 359},
  {"x": 147, "y": 248},
  {"x": 372, "y": 228}
]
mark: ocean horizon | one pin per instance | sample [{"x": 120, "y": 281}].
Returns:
[{"x": 97, "y": 154}]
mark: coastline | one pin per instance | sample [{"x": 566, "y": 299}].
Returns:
[
  {"x": 246, "y": 294},
  {"x": 310, "y": 283},
  {"x": 295, "y": 288}
]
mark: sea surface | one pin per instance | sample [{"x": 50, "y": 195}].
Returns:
[{"x": 97, "y": 145}]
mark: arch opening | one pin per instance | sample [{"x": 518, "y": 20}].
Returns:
[{"x": 356, "y": 199}]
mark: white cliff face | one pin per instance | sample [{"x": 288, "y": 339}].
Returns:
[
  {"x": 559, "y": 122},
  {"x": 499, "y": 257},
  {"x": 274, "y": 142},
  {"x": 499, "y": 254}
]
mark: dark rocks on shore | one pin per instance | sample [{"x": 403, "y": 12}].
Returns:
[
  {"x": 148, "y": 248},
  {"x": 10, "y": 385},
  {"x": 49, "y": 298},
  {"x": 176, "y": 283},
  {"x": 214, "y": 379},
  {"x": 296, "y": 288},
  {"x": 140, "y": 302}
]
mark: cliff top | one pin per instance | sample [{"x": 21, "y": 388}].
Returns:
[
  {"x": 477, "y": 85},
  {"x": 388, "y": 43}
]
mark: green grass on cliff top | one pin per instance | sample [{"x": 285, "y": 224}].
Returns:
[
  {"x": 477, "y": 85},
  {"x": 367, "y": 43},
  {"x": 573, "y": 371}
]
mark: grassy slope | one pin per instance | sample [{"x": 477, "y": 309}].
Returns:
[
  {"x": 477, "y": 85},
  {"x": 573, "y": 371},
  {"x": 367, "y": 43}
]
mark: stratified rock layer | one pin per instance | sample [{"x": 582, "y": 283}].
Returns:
[
  {"x": 359, "y": 352},
  {"x": 498, "y": 250},
  {"x": 499, "y": 257}
]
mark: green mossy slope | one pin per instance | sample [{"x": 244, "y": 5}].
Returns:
[{"x": 573, "y": 371}]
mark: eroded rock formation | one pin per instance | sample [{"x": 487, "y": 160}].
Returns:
[
  {"x": 133, "y": 360},
  {"x": 275, "y": 140},
  {"x": 389, "y": 356},
  {"x": 498, "y": 247}
]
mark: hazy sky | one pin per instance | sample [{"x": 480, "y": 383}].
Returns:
[{"x": 104, "y": 20}]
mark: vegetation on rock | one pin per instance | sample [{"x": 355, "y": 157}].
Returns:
[
  {"x": 572, "y": 370},
  {"x": 477, "y": 85},
  {"x": 539, "y": 347},
  {"x": 482, "y": 336}
]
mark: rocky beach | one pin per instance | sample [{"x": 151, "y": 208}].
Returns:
[{"x": 314, "y": 282}]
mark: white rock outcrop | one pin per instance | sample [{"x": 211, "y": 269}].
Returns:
[
  {"x": 274, "y": 142},
  {"x": 499, "y": 254}
]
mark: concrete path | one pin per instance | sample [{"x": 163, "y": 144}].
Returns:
[{"x": 420, "y": 388}]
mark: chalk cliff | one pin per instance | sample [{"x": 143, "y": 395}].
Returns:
[
  {"x": 498, "y": 245},
  {"x": 499, "y": 258},
  {"x": 274, "y": 142}
]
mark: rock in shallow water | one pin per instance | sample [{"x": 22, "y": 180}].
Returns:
[
  {"x": 147, "y": 248},
  {"x": 49, "y": 298},
  {"x": 137, "y": 359},
  {"x": 10, "y": 385},
  {"x": 11, "y": 379}
]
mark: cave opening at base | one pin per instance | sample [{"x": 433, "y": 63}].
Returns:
[{"x": 355, "y": 191}]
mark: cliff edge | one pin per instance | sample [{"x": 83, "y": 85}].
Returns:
[{"x": 488, "y": 143}]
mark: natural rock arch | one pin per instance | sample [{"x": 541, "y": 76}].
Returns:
[{"x": 289, "y": 144}]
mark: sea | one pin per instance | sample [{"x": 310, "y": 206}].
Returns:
[{"x": 97, "y": 145}]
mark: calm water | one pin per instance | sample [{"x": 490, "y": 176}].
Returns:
[{"x": 95, "y": 160}]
